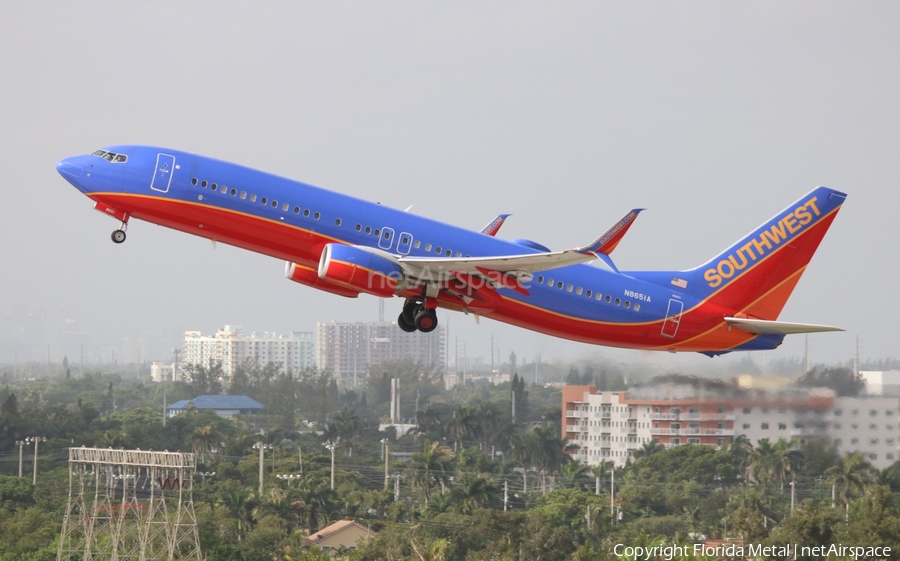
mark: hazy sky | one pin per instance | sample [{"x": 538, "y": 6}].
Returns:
[{"x": 712, "y": 115}]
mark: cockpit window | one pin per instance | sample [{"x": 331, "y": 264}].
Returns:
[{"x": 110, "y": 156}]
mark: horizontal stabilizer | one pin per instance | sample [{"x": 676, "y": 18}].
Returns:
[{"x": 767, "y": 327}]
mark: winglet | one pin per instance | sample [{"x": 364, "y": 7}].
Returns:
[
  {"x": 494, "y": 225},
  {"x": 605, "y": 244}
]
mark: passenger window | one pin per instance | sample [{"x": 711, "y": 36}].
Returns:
[
  {"x": 559, "y": 285},
  {"x": 627, "y": 305},
  {"x": 377, "y": 232},
  {"x": 437, "y": 250},
  {"x": 417, "y": 244},
  {"x": 274, "y": 204},
  {"x": 337, "y": 221},
  {"x": 540, "y": 280},
  {"x": 368, "y": 230},
  {"x": 459, "y": 254},
  {"x": 569, "y": 288},
  {"x": 618, "y": 301},
  {"x": 588, "y": 293},
  {"x": 449, "y": 253},
  {"x": 428, "y": 247},
  {"x": 233, "y": 192},
  {"x": 359, "y": 227},
  {"x": 598, "y": 296},
  {"x": 387, "y": 235},
  {"x": 243, "y": 195},
  {"x": 203, "y": 184},
  {"x": 285, "y": 207},
  {"x": 193, "y": 181},
  {"x": 263, "y": 200},
  {"x": 578, "y": 291},
  {"x": 316, "y": 215},
  {"x": 306, "y": 212},
  {"x": 252, "y": 198},
  {"x": 637, "y": 307},
  {"x": 608, "y": 299},
  {"x": 214, "y": 187},
  {"x": 549, "y": 282},
  {"x": 296, "y": 210}
]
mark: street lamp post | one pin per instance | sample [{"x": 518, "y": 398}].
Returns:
[
  {"x": 37, "y": 440},
  {"x": 331, "y": 447}
]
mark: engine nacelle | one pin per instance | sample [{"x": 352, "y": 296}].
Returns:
[
  {"x": 310, "y": 277},
  {"x": 361, "y": 270}
]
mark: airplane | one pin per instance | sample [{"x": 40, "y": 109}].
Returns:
[{"x": 348, "y": 246}]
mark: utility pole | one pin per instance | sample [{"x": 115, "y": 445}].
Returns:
[
  {"x": 300, "y": 454},
  {"x": 397, "y": 487},
  {"x": 21, "y": 444},
  {"x": 792, "y": 497},
  {"x": 597, "y": 485},
  {"x": 612, "y": 493},
  {"x": 387, "y": 453},
  {"x": 262, "y": 452},
  {"x": 505, "y": 494},
  {"x": 37, "y": 440},
  {"x": 331, "y": 447}
]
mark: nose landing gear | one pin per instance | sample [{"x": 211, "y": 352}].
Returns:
[
  {"x": 118, "y": 236},
  {"x": 416, "y": 316}
]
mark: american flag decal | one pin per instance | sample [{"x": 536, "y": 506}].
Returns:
[{"x": 680, "y": 283}]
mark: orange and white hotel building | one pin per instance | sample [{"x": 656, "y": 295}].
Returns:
[
  {"x": 613, "y": 425},
  {"x": 610, "y": 426}
]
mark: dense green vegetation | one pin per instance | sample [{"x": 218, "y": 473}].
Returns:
[{"x": 473, "y": 482}]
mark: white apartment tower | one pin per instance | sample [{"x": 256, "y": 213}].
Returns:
[
  {"x": 348, "y": 349},
  {"x": 294, "y": 352}
]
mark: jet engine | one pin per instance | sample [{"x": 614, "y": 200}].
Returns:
[{"x": 360, "y": 269}]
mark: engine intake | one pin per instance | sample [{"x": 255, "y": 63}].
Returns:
[{"x": 360, "y": 270}]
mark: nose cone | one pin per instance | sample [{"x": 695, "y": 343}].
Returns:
[{"x": 72, "y": 171}]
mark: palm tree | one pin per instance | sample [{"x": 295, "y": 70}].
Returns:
[
  {"x": 852, "y": 473},
  {"x": 429, "y": 467},
  {"x": 348, "y": 426},
  {"x": 203, "y": 441},
  {"x": 572, "y": 472},
  {"x": 474, "y": 491},
  {"x": 464, "y": 424},
  {"x": 648, "y": 449},
  {"x": 315, "y": 499},
  {"x": 788, "y": 461}
]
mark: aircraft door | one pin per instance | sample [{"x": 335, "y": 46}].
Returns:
[
  {"x": 387, "y": 238},
  {"x": 403, "y": 243},
  {"x": 162, "y": 176},
  {"x": 673, "y": 318}
]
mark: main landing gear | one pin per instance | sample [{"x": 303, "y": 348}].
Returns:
[
  {"x": 416, "y": 317},
  {"x": 118, "y": 236}
]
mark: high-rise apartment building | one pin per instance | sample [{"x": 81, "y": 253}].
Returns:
[
  {"x": 349, "y": 349},
  {"x": 294, "y": 352}
]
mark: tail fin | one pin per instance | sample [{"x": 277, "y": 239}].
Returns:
[{"x": 755, "y": 276}]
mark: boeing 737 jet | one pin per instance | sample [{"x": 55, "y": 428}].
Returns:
[{"x": 348, "y": 246}]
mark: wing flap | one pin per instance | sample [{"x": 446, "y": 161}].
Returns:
[{"x": 768, "y": 327}]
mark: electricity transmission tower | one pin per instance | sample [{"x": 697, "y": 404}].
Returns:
[{"x": 129, "y": 504}]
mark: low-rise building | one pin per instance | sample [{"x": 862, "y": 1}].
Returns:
[
  {"x": 344, "y": 534},
  {"x": 223, "y": 405}
]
